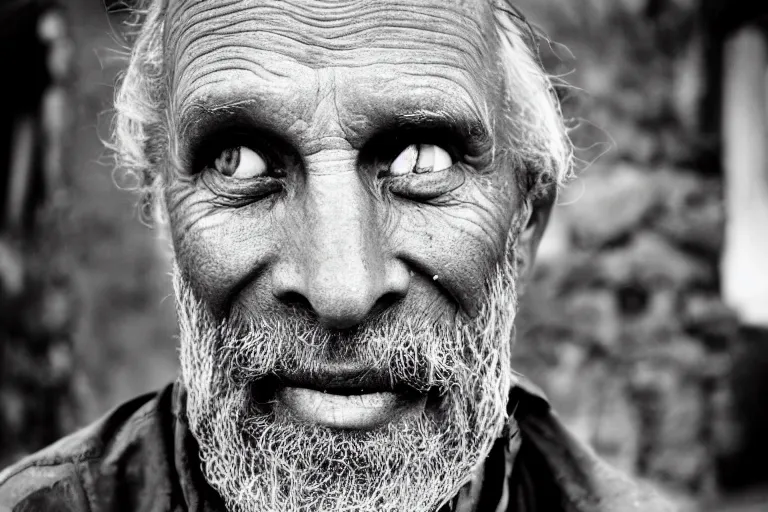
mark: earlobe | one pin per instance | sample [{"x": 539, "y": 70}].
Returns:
[{"x": 538, "y": 211}]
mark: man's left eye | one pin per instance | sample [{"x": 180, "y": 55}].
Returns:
[
  {"x": 241, "y": 163},
  {"x": 420, "y": 158}
]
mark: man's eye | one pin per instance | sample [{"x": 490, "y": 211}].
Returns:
[
  {"x": 241, "y": 163},
  {"x": 420, "y": 158}
]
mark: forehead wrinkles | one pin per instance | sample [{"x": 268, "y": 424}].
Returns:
[{"x": 322, "y": 33}]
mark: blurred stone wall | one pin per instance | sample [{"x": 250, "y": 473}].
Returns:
[
  {"x": 125, "y": 342},
  {"x": 623, "y": 325},
  {"x": 85, "y": 316},
  {"x": 38, "y": 304}
]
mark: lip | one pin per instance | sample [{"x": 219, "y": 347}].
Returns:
[
  {"x": 365, "y": 411},
  {"x": 347, "y": 397},
  {"x": 344, "y": 380}
]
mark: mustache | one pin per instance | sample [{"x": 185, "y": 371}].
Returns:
[
  {"x": 389, "y": 351},
  {"x": 405, "y": 349}
]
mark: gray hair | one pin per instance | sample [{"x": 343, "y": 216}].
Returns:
[{"x": 538, "y": 142}]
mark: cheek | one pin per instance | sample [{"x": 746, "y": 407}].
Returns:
[
  {"x": 460, "y": 239},
  {"x": 219, "y": 248},
  {"x": 227, "y": 253}
]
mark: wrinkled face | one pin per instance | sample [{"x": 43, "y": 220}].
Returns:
[{"x": 340, "y": 222}]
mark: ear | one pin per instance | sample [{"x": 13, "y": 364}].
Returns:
[{"x": 539, "y": 210}]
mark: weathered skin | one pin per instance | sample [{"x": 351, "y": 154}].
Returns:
[
  {"x": 325, "y": 81},
  {"x": 329, "y": 98}
]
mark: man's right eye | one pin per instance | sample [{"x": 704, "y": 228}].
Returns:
[{"x": 241, "y": 163}]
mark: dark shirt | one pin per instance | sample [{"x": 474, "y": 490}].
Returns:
[{"x": 141, "y": 457}]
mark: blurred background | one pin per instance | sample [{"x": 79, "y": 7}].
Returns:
[{"x": 646, "y": 321}]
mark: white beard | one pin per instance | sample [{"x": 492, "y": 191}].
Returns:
[{"x": 258, "y": 461}]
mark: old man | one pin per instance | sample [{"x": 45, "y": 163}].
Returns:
[{"x": 353, "y": 189}]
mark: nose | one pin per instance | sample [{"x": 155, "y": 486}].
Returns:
[{"x": 339, "y": 267}]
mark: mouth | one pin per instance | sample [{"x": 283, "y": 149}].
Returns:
[{"x": 345, "y": 397}]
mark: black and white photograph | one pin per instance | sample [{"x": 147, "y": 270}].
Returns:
[{"x": 384, "y": 256}]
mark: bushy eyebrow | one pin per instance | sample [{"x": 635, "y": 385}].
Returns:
[
  {"x": 201, "y": 121},
  {"x": 471, "y": 130}
]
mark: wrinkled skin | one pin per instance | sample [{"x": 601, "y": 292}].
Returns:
[
  {"x": 326, "y": 99},
  {"x": 327, "y": 85}
]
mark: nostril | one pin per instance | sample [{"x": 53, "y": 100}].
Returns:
[
  {"x": 385, "y": 302},
  {"x": 295, "y": 300}
]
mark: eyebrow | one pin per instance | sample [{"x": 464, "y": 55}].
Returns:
[
  {"x": 200, "y": 122},
  {"x": 217, "y": 113},
  {"x": 470, "y": 129}
]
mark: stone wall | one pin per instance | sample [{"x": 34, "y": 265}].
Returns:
[
  {"x": 38, "y": 304},
  {"x": 623, "y": 325}
]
